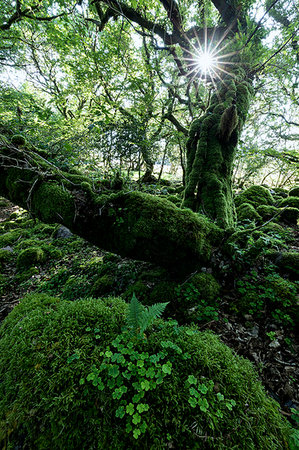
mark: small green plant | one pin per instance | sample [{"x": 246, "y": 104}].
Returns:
[
  {"x": 139, "y": 318},
  {"x": 271, "y": 335},
  {"x": 202, "y": 310}
]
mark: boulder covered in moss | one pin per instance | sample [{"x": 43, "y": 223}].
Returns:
[
  {"x": 267, "y": 211},
  {"x": 290, "y": 215},
  {"x": 103, "y": 286},
  {"x": 206, "y": 285},
  {"x": 246, "y": 211},
  {"x": 256, "y": 196},
  {"x": 140, "y": 288},
  {"x": 287, "y": 261},
  {"x": 30, "y": 257},
  {"x": 18, "y": 139},
  {"x": 71, "y": 379},
  {"x": 294, "y": 192},
  {"x": 292, "y": 202}
]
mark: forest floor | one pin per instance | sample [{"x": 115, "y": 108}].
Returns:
[{"x": 272, "y": 349}]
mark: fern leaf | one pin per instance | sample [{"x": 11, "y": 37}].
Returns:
[
  {"x": 134, "y": 314},
  {"x": 150, "y": 314}
]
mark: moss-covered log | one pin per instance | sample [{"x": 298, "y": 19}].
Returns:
[
  {"x": 130, "y": 223},
  {"x": 211, "y": 149}
]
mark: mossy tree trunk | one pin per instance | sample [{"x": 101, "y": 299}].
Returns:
[
  {"x": 211, "y": 150},
  {"x": 131, "y": 224}
]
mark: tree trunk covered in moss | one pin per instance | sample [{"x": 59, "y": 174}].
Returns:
[
  {"x": 131, "y": 223},
  {"x": 211, "y": 149}
]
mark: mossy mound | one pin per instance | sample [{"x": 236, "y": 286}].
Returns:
[
  {"x": 140, "y": 288},
  {"x": 47, "y": 346},
  {"x": 18, "y": 139},
  {"x": 267, "y": 212},
  {"x": 10, "y": 237},
  {"x": 294, "y": 192},
  {"x": 290, "y": 215},
  {"x": 256, "y": 196},
  {"x": 292, "y": 202},
  {"x": 29, "y": 257},
  {"x": 247, "y": 212},
  {"x": 103, "y": 285},
  {"x": 206, "y": 285},
  {"x": 287, "y": 261},
  {"x": 279, "y": 192},
  {"x": 5, "y": 256}
]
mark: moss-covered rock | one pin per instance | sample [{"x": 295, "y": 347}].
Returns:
[
  {"x": 103, "y": 286},
  {"x": 141, "y": 289},
  {"x": 10, "y": 238},
  {"x": 256, "y": 196},
  {"x": 247, "y": 212},
  {"x": 163, "y": 292},
  {"x": 287, "y": 261},
  {"x": 267, "y": 211},
  {"x": 206, "y": 285},
  {"x": 48, "y": 348},
  {"x": 53, "y": 204},
  {"x": 18, "y": 139},
  {"x": 290, "y": 215},
  {"x": 279, "y": 192},
  {"x": 29, "y": 257},
  {"x": 292, "y": 202},
  {"x": 294, "y": 192}
]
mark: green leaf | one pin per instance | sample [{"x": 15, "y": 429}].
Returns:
[
  {"x": 130, "y": 409},
  {"x": 191, "y": 379},
  {"x": 166, "y": 368},
  {"x": 136, "y": 418},
  {"x": 120, "y": 412}
]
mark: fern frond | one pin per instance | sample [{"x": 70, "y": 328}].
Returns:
[
  {"x": 134, "y": 314},
  {"x": 150, "y": 314}
]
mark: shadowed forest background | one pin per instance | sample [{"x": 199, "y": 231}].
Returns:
[{"x": 149, "y": 224}]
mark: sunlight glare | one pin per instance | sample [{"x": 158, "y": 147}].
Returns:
[{"x": 206, "y": 62}]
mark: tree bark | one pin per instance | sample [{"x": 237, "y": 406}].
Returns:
[
  {"x": 132, "y": 224},
  {"x": 211, "y": 150}
]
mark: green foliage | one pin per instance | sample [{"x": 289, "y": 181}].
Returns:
[
  {"x": 155, "y": 389},
  {"x": 139, "y": 318},
  {"x": 245, "y": 211},
  {"x": 256, "y": 196},
  {"x": 29, "y": 257},
  {"x": 271, "y": 292}
]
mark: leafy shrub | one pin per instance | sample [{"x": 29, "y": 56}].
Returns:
[{"x": 191, "y": 390}]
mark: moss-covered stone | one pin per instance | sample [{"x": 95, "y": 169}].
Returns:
[
  {"x": 18, "y": 139},
  {"x": 290, "y": 215},
  {"x": 53, "y": 204},
  {"x": 294, "y": 192},
  {"x": 10, "y": 237},
  {"x": 29, "y": 257},
  {"x": 103, "y": 286},
  {"x": 267, "y": 211},
  {"x": 256, "y": 196},
  {"x": 247, "y": 212},
  {"x": 206, "y": 285},
  {"x": 141, "y": 289},
  {"x": 292, "y": 202},
  {"x": 273, "y": 227},
  {"x": 163, "y": 292},
  {"x": 287, "y": 261},
  {"x": 47, "y": 346}
]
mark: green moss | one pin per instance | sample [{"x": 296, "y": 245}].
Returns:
[
  {"x": 206, "y": 285},
  {"x": 266, "y": 211},
  {"x": 287, "y": 261},
  {"x": 273, "y": 227},
  {"x": 3, "y": 202},
  {"x": 256, "y": 196},
  {"x": 247, "y": 212},
  {"x": 140, "y": 289},
  {"x": 26, "y": 274},
  {"x": 290, "y": 215},
  {"x": 53, "y": 204},
  {"x": 10, "y": 237},
  {"x": 18, "y": 139},
  {"x": 103, "y": 286},
  {"x": 47, "y": 346},
  {"x": 29, "y": 257},
  {"x": 294, "y": 192},
  {"x": 163, "y": 292},
  {"x": 292, "y": 202},
  {"x": 5, "y": 257}
]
